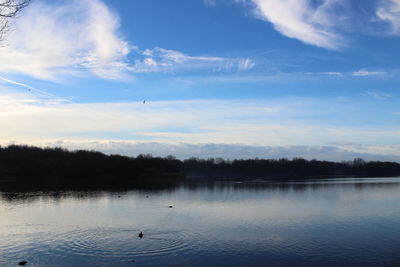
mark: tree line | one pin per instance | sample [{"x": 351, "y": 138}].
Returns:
[
  {"x": 286, "y": 169},
  {"x": 30, "y": 166}
]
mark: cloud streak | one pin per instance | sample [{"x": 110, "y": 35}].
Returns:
[
  {"x": 160, "y": 59},
  {"x": 389, "y": 12},
  {"x": 301, "y": 20},
  {"x": 35, "y": 90},
  {"x": 364, "y": 72}
]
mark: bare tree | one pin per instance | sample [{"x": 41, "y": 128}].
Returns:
[{"x": 9, "y": 9}]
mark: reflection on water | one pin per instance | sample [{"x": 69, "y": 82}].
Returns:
[{"x": 326, "y": 222}]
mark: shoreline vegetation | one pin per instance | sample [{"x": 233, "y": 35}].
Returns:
[{"x": 41, "y": 168}]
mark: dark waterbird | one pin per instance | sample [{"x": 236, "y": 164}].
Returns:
[
  {"x": 140, "y": 235},
  {"x": 170, "y": 207},
  {"x": 22, "y": 263}
]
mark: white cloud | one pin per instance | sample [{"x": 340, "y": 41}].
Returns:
[
  {"x": 81, "y": 37},
  {"x": 172, "y": 56},
  {"x": 389, "y": 12},
  {"x": 149, "y": 62},
  {"x": 51, "y": 40},
  {"x": 332, "y": 73},
  {"x": 160, "y": 59},
  {"x": 245, "y": 64},
  {"x": 301, "y": 20},
  {"x": 284, "y": 122},
  {"x": 364, "y": 72},
  {"x": 378, "y": 95}
]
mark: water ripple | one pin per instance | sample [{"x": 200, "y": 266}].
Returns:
[
  {"x": 101, "y": 244},
  {"x": 111, "y": 242}
]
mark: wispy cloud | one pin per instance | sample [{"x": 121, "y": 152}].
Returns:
[
  {"x": 245, "y": 64},
  {"x": 378, "y": 95},
  {"x": 160, "y": 59},
  {"x": 176, "y": 56},
  {"x": 82, "y": 37},
  {"x": 38, "y": 92},
  {"x": 389, "y": 11},
  {"x": 364, "y": 72},
  {"x": 332, "y": 73},
  {"x": 300, "y": 19},
  {"x": 359, "y": 73},
  {"x": 53, "y": 40},
  {"x": 327, "y": 23}
]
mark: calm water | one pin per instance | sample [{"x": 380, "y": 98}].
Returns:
[{"x": 314, "y": 223}]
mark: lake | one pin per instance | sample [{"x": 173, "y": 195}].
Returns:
[{"x": 325, "y": 222}]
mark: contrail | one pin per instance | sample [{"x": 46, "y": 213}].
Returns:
[{"x": 35, "y": 89}]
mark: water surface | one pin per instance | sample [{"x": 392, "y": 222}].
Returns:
[{"x": 330, "y": 222}]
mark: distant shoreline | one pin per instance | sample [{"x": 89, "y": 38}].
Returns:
[{"x": 33, "y": 167}]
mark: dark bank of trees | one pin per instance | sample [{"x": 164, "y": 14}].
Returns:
[
  {"x": 286, "y": 169},
  {"x": 56, "y": 167}
]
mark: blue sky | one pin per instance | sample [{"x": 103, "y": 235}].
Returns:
[{"x": 226, "y": 78}]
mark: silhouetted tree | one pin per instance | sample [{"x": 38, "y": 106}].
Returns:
[{"x": 9, "y": 9}]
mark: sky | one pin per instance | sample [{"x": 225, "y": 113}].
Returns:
[{"x": 205, "y": 78}]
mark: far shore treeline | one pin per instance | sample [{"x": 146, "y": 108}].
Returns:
[{"x": 39, "y": 167}]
